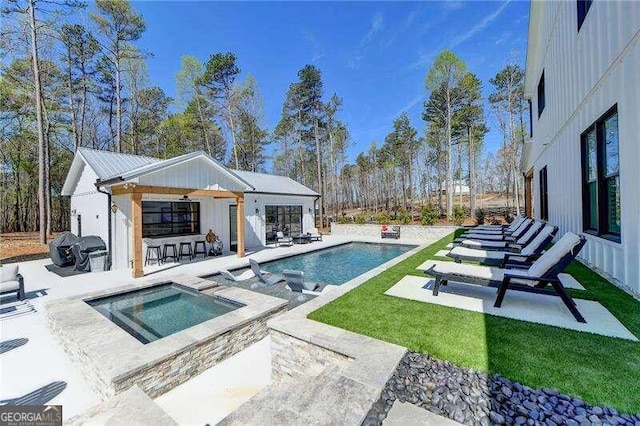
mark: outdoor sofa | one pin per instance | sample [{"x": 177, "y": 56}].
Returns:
[
  {"x": 315, "y": 234},
  {"x": 544, "y": 271},
  {"x": 511, "y": 253},
  {"x": 11, "y": 281},
  {"x": 390, "y": 231}
]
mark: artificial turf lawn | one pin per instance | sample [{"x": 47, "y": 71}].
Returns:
[{"x": 601, "y": 370}]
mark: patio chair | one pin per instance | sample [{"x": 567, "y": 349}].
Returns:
[
  {"x": 11, "y": 281},
  {"x": 315, "y": 234},
  {"x": 282, "y": 240},
  {"x": 525, "y": 255},
  {"x": 534, "y": 279},
  {"x": 246, "y": 275},
  {"x": 296, "y": 282},
  {"x": 522, "y": 228},
  {"x": 505, "y": 245},
  {"x": 267, "y": 280}
]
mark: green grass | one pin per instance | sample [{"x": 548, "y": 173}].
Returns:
[{"x": 601, "y": 370}]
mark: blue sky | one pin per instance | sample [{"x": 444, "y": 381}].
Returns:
[{"x": 375, "y": 55}]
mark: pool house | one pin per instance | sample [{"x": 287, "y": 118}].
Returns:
[{"x": 135, "y": 203}]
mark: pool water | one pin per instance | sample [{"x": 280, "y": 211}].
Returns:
[
  {"x": 337, "y": 265},
  {"x": 153, "y": 313}
]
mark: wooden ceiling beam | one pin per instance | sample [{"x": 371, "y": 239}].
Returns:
[{"x": 162, "y": 190}]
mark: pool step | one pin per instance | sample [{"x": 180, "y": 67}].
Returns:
[{"x": 317, "y": 399}]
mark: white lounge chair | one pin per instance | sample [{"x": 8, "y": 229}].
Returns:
[
  {"x": 534, "y": 279},
  {"x": 499, "y": 228},
  {"x": 246, "y": 275},
  {"x": 522, "y": 228},
  {"x": 527, "y": 254},
  {"x": 505, "y": 245},
  {"x": 268, "y": 280},
  {"x": 282, "y": 240},
  {"x": 296, "y": 282}
]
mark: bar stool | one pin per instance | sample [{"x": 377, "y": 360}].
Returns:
[
  {"x": 200, "y": 248},
  {"x": 188, "y": 253},
  {"x": 173, "y": 255},
  {"x": 155, "y": 250}
]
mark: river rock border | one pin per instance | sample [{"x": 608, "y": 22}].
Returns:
[{"x": 476, "y": 398}]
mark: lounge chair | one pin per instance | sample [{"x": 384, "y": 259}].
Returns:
[
  {"x": 522, "y": 228},
  {"x": 505, "y": 245},
  {"x": 246, "y": 275},
  {"x": 11, "y": 281},
  {"x": 526, "y": 255},
  {"x": 509, "y": 228},
  {"x": 534, "y": 279},
  {"x": 296, "y": 282},
  {"x": 282, "y": 240},
  {"x": 268, "y": 280},
  {"x": 315, "y": 234},
  {"x": 390, "y": 232}
]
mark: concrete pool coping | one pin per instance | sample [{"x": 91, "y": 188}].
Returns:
[{"x": 107, "y": 352}]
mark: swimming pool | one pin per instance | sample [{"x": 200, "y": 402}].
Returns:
[
  {"x": 337, "y": 265},
  {"x": 156, "y": 312}
]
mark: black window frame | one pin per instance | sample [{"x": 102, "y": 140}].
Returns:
[
  {"x": 172, "y": 215},
  {"x": 601, "y": 228},
  {"x": 530, "y": 118},
  {"x": 283, "y": 220},
  {"x": 583, "y": 7},
  {"x": 544, "y": 193},
  {"x": 542, "y": 102}
]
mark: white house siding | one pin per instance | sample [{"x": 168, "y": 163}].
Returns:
[
  {"x": 214, "y": 215},
  {"x": 90, "y": 205},
  {"x": 586, "y": 73},
  {"x": 196, "y": 173}
]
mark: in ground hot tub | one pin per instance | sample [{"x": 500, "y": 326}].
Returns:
[
  {"x": 153, "y": 313},
  {"x": 158, "y": 334}
]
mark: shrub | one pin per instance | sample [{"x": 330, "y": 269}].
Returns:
[
  {"x": 429, "y": 214},
  {"x": 495, "y": 221},
  {"x": 507, "y": 216},
  {"x": 342, "y": 220},
  {"x": 403, "y": 217},
  {"x": 383, "y": 218},
  {"x": 361, "y": 219},
  {"x": 480, "y": 216},
  {"x": 458, "y": 215}
]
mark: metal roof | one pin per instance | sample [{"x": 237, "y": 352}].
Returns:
[
  {"x": 107, "y": 164},
  {"x": 112, "y": 166},
  {"x": 275, "y": 184}
]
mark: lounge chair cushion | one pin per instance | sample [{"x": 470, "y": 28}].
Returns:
[
  {"x": 534, "y": 245},
  {"x": 484, "y": 244},
  {"x": 477, "y": 253},
  {"x": 242, "y": 277},
  {"x": 488, "y": 237},
  {"x": 533, "y": 230},
  {"x": 8, "y": 273},
  {"x": 9, "y": 286},
  {"x": 552, "y": 256},
  {"x": 474, "y": 273}
]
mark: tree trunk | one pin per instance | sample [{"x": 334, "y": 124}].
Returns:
[
  {"x": 40, "y": 126},
  {"x": 449, "y": 158},
  {"x": 118, "y": 103},
  {"x": 319, "y": 171}
]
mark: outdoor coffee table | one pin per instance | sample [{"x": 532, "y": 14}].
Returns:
[{"x": 302, "y": 239}]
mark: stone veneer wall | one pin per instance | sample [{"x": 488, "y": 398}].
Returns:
[
  {"x": 163, "y": 376},
  {"x": 292, "y": 358},
  {"x": 413, "y": 232}
]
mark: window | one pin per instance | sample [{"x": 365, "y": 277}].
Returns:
[
  {"x": 286, "y": 219},
  {"x": 601, "y": 177},
  {"x": 166, "y": 218},
  {"x": 530, "y": 118},
  {"x": 541, "y": 99},
  {"x": 544, "y": 195},
  {"x": 583, "y": 9}
]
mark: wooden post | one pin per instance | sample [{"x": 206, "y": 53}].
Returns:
[
  {"x": 240, "y": 225},
  {"x": 136, "y": 234}
]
